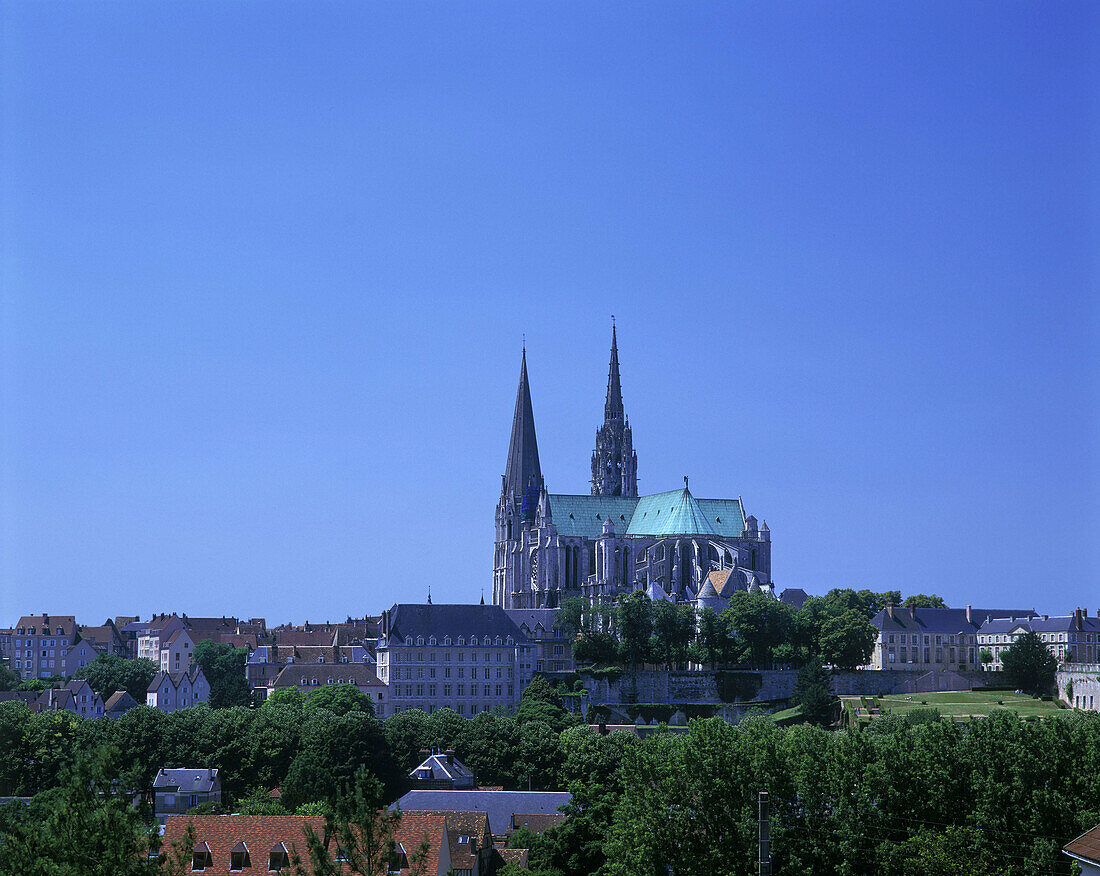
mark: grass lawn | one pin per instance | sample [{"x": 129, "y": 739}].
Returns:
[{"x": 965, "y": 704}]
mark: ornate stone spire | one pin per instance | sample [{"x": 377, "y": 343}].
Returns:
[{"x": 614, "y": 463}]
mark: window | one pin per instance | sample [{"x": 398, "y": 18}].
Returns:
[
  {"x": 200, "y": 858},
  {"x": 238, "y": 858},
  {"x": 278, "y": 859},
  {"x": 431, "y": 640}
]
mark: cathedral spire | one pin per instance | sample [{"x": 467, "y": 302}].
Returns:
[
  {"x": 613, "y": 407},
  {"x": 614, "y": 463},
  {"x": 522, "y": 471}
]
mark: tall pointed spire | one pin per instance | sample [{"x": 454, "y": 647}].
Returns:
[
  {"x": 522, "y": 471},
  {"x": 614, "y": 463},
  {"x": 613, "y": 407}
]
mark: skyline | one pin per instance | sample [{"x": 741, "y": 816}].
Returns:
[{"x": 267, "y": 273}]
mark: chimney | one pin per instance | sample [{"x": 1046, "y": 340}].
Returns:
[
  {"x": 1045, "y": 617},
  {"x": 890, "y": 610},
  {"x": 913, "y": 610},
  {"x": 969, "y": 615},
  {"x": 450, "y": 756}
]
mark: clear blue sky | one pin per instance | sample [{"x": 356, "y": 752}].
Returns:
[{"x": 266, "y": 268}]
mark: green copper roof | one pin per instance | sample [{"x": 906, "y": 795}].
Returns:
[
  {"x": 584, "y": 515},
  {"x": 673, "y": 513}
]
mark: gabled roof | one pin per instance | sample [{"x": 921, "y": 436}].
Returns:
[
  {"x": 497, "y": 805},
  {"x": 939, "y": 620},
  {"x": 48, "y": 624},
  {"x": 468, "y": 825},
  {"x": 359, "y": 674},
  {"x": 1040, "y": 624},
  {"x": 192, "y": 781},
  {"x": 120, "y": 701},
  {"x": 794, "y": 596},
  {"x": 441, "y": 769},
  {"x": 176, "y": 678},
  {"x": 1086, "y": 847},
  {"x": 547, "y": 618}
]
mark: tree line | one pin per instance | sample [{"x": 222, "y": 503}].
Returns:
[{"x": 755, "y": 630}]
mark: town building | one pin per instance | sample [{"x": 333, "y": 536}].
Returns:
[
  {"x": 235, "y": 844},
  {"x": 442, "y": 771},
  {"x": 77, "y": 697},
  {"x": 552, "y": 546},
  {"x": 308, "y": 677},
  {"x": 469, "y": 658},
  {"x": 551, "y": 647},
  {"x": 503, "y": 808},
  {"x": 77, "y": 656},
  {"x": 172, "y": 691},
  {"x": 1074, "y": 638},
  {"x": 118, "y": 704},
  {"x": 177, "y": 790},
  {"x": 39, "y": 643},
  {"x": 267, "y": 661},
  {"x": 923, "y": 639}
]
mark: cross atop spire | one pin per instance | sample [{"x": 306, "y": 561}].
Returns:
[
  {"x": 613, "y": 407},
  {"x": 522, "y": 470}
]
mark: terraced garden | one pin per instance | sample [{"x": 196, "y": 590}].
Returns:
[{"x": 953, "y": 704}]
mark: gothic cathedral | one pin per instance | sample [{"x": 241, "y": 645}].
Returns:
[{"x": 672, "y": 545}]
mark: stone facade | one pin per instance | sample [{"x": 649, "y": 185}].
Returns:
[{"x": 552, "y": 546}]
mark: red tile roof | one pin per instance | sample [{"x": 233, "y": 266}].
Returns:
[
  {"x": 260, "y": 833},
  {"x": 1086, "y": 846}
]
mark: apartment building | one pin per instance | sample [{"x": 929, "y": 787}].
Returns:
[
  {"x": 172, "y": 691},
  {"x": 266, "y": 661},
  {"x": 922, "y": 639},
  {"x": 39, "y": 643},
  {"x": 551, "y": 649},
  {"x": 1074, "y": 638},
  {"x": 469, "y": 658},
  {"x": 308, "y": 677}
]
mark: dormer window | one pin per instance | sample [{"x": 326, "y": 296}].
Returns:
[
  {"x": 420, "y": 640},
  {"x": 398, "y": 859},
  {"x": 278, "y": 859},
  {"x": 447, "y": 640},
  {"x": 200, "y": 858},
  {"x": 498, "y": 640},
  {"x": 238, "y": 858},
  {"x": 321, "y": 659},
  {"x": 431, "y": 640},
  {"x": 509, "y": 641},
  {"x": 461, "y": 640},
  {"x": 408, "y": 640},
  {"x": 464, "y": 838}
]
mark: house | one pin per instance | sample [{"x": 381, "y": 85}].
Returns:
[
  {"x": 442, "y": 771},
  {"x": 469, "y": 658},
  {"x": 924, "y": 639},
  {"x": 535, "y": 822},
  {"x": 29, "y": 698},
  {"x": 551, "y": 647},
  {"x": 38, "y": 643},
  {"x": 795, "y": 597},
  {"x": 1085, "y": 850},
  {"x": 1074, "y": 638},
  {"x": 118, "y": 704},
  {"x": 267, "y": 661},
  {"x": 172, "y": 691},
  {"x": 498, "y": 806},
  {"x": 176, "y": 650},
  {"x": 177, "y": 790},
  {"x": 106, "y": 638},
  {"x": 469, "y": 841},
  {"x": 78, "y": 655},
  {"x": 226, "y": 844},
  {"x": 308, "y": 676},
  {"x": 77, "y": 697}
]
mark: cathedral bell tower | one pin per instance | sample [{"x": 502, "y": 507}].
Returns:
[
  {"x": 521, "y": 489},
  {"x": 614, "y": 462}
]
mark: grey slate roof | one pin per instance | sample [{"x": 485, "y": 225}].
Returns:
[
  {"x": 498, "y": 805},
  {"x": 415, "y": 620},
  {"x": 794, "y": 596},
  {"x": 548, "y": 617},
  {"x": 1040, "y": 625},
  {"x": 192, "y": 781},
  {"x": 941, "y": 620},
  {"x": 437, "y": 763}
]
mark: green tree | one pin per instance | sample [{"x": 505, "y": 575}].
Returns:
[
  {"x": 920, "y": 600},
  {"x": 361, "y": 832},
  {"x": 634, "y": 616},
  {"x": 673, "y": 631},
  {"x": 597, "y": 648},
  {"x": 1029, "y": 665},
  {"x": 8, "y": 679},
  {"x": 223, "y": 666},
  {"x": 109, "y": 673},
  {"x": 712, "y": 643},
  {"x": 813, "y": 693},
  {"x": 89, "y": 826},
  {"x": 285, "y": 696},
  {"x": 985, "y": 656},
  {"x": 541, "y": 701},
  {"x": 339, "y": 699},
  {"x": 759, "y": 621},
  {"x": 848, "y": 640}
]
